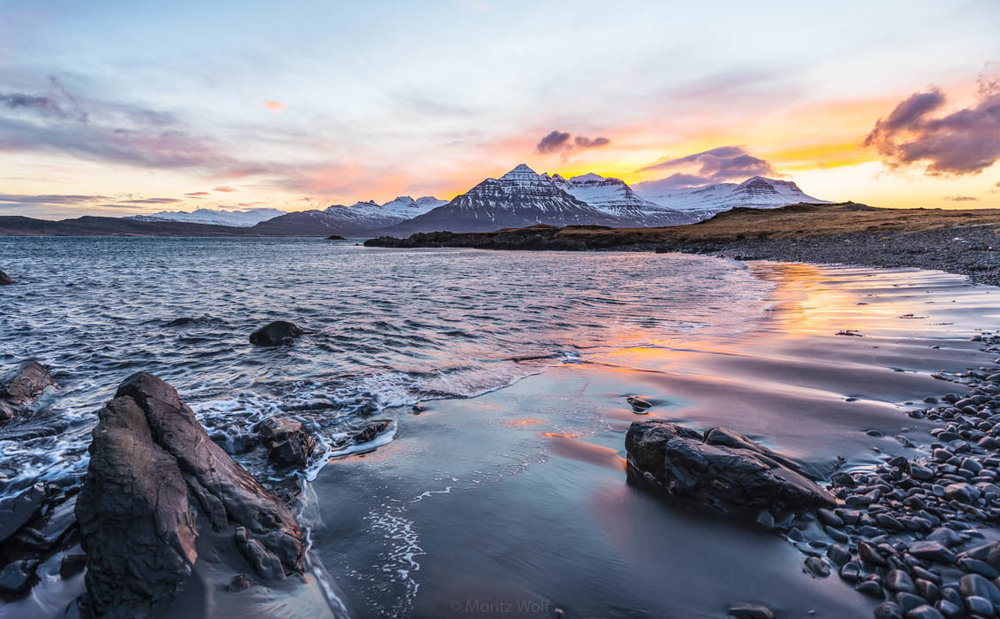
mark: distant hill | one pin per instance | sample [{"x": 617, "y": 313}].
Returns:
[{"x": 113, "y": 226}]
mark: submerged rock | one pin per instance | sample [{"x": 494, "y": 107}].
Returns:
[
  {"x": 155, "y": 485},
  {"x": 720, "y": 469},
  {"x": 5, "y": 280},
  {"x": 287, "y": 442},
  {"x": 277, "y": 333},
  {"x": 20, "y": 387}
]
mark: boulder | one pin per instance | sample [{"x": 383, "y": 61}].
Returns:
[
  {"x": 720, "y": 469},
  {"x": 287, "y": 442},
  {"x": 21, "y": 386},
  {"x": 154, "y": 485},
  {"x": 277, "y": 333},
  {"x": 5, "y": 279}
]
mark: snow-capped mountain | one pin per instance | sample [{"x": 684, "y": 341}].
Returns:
[
  {"x": 613, "y": 197},
  {"x": 522, "y": 197},
  {"x": 219, "y": 217},
  {"x": 358, "y": 219},
  {"x": 703, "y": 202}
]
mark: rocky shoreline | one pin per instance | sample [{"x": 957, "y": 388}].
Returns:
[
  {"x": 971, "y": 249},
  {"x": 918, "y": 533}
]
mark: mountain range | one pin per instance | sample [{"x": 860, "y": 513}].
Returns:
[
  {"x": 359, "y": 219},
  {"x": 519, "y": 198}
]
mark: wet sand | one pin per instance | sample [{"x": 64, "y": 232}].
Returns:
[{"x": 515, "y": 503}]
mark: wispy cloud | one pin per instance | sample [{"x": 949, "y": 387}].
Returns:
[
  {"x": 966, "y": 141},
  {"x": 95, "y": 129},
  {"x": 198, "y": 194},
  {"x": 151, "y": 201},
  {"x": 7, "y": 199},
  {"x": 225, "y": 189},
  {"x": 962, "y": 199},
  {"x": 275, "y": 106},
  {"x": 725, "y": 163}
]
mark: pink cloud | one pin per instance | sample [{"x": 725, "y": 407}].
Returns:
[
  {"x": 225, "y": 189},
  {"x": 275, "y": 106}
]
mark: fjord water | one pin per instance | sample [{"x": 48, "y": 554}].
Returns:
[{"x": 506, "y": 494}]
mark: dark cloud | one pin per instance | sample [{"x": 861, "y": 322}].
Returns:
[
  {"x": 584, "y": 142},
  {"x": 197, "y": 194},
  {"x": 554, "y": 142},
  {"x": 965, "y": 141},
  {"x": 717, "y": 165},
  {"x": 962, "y": 199},
  {"x": 564, "y": 142}
]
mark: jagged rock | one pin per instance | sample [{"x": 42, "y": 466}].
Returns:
[
  {"x": 16, "y": 511},
  {"x": 154, "y": 484},
  {"x": 721, "y": 469},
  {"x": 5, "y": 280},
  {"x": 287, "y": 442},
  {"x": 20, "y": 387},
  {"x": 275, "y": 334}
]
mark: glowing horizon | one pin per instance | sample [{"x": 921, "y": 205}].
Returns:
[{"x": 307, "y": 105}]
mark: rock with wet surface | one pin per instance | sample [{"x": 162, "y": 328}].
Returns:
[
  {"x": 277, "y": 333},
  {"x": 720, "y": 469},
  {"x": 21, "y": 386},
  {"x": 286, "y": 440},
  {"x": 5, "y": 280},
  {"x": 155, "y": 485}
]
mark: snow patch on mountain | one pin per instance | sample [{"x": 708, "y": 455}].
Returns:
[
  {"x": 220, "y": 217},
  {"x": 703, "y": 202}
]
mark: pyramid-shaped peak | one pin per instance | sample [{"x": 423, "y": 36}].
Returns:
[{"x": 521, "y": 172}]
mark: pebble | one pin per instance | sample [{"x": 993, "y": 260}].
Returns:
[
  {"x": 817, "y": 567},
  {"x": 899, "y": 581},
  {"x": 751, "y": 611}
]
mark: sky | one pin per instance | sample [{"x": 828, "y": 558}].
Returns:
[{"x": 118, "y": 108}]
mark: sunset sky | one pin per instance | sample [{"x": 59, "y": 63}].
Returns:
[{"x": 116, "y": 108}]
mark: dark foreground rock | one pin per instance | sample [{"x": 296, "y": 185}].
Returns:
[
  {"x": 720, "y": 469},
  {"x": 157, "y": 491},
  {"x": 5, "y": 280},
  {"x": 335, "y": 237},
  {"x": 287, "y": 442},
  {"x": 277, "y": 333},
  {"x": 21, "y": 386}
]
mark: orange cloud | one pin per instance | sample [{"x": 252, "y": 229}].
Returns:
[
  {"x": 275, "y": 106},
  {"x": 225, "y": 189}
]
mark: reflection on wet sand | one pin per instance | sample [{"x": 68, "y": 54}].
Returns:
[{"x": 520, "y": 494}]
